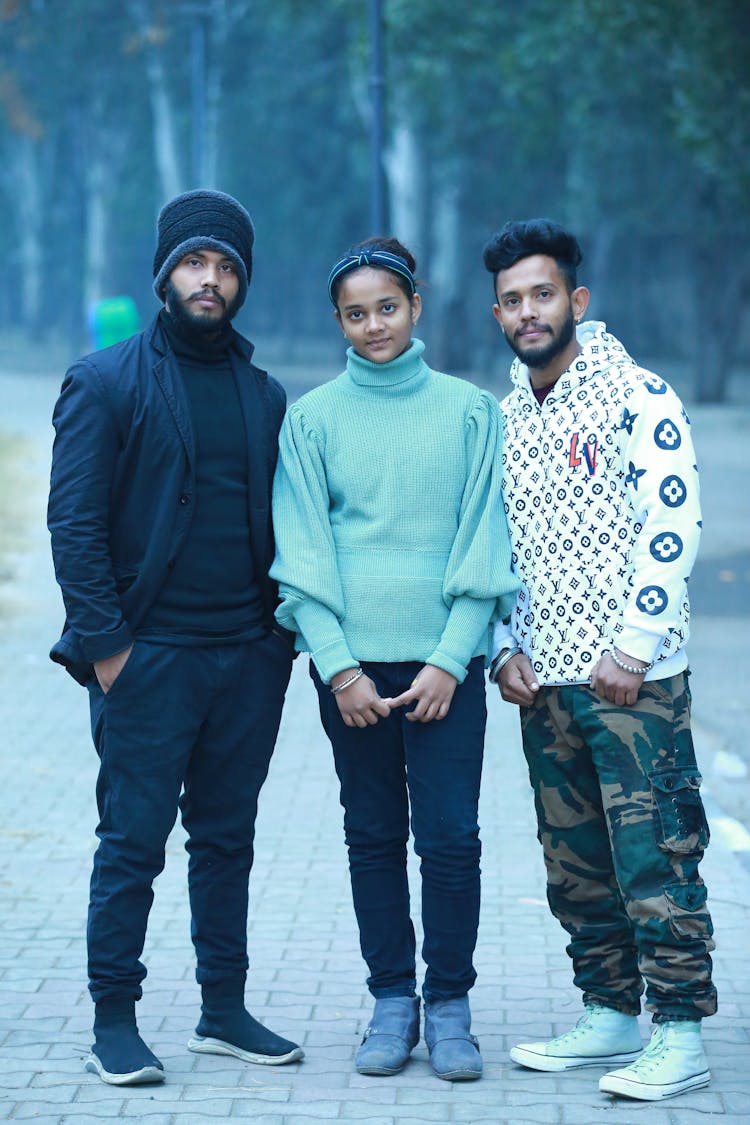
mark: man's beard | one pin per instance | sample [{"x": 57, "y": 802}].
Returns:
[
  {"x": 197, "y": 324},
  {"x": 537, "y": 357}
]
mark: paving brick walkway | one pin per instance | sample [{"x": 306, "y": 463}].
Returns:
[{"x": 306, "y": 976}]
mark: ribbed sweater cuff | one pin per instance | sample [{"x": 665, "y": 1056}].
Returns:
[
  {"x": 324, "y": 638},
  {"x": 465, "y": 630},
  {"x": 441, "y": 660}
]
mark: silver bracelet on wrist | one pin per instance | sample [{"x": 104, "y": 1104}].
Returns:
[
  {"x": 501, "y": 660},
  {"x": 629, "y": 667},
  {"x": 347, "y": 683}
]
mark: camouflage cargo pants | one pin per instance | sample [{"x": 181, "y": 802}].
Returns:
[{"x": 623, "y": 831}]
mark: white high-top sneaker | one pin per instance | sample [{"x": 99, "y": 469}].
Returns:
[
  {"x": 601, "y": 1037},
  {"x": 673, "y": 1063}
]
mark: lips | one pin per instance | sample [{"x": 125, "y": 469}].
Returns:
[
  {"x": 208, "y": 299},
  {"x": 532, "y": 336}
]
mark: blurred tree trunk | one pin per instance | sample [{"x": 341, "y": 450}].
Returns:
[
  {"x": 405, "y": 168},
  {"x": 451, "y": 350},
  {"x": 713, "y": 348},
  {"x": 721, "y": 277},
  {"x": 94, "y": 286},
  {"x": 597, "y": 272},
  {"x": 103, "y": 150},
  {"x": 223, "y": 17},
  {"x": 166, "y": 150},
  {"x": 165, "y": 130},
  {"x": 584, "y": 212},
  {"x": 27, "y": 174}
]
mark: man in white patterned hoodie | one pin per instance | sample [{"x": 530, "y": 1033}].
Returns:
[{"x": 601, "y": 493}]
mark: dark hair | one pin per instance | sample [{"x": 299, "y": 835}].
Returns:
[
  {"x": 517, "y": 240},
  {"x": 389, "y": 246}
]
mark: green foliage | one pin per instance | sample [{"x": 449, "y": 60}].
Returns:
[{"x": 628, "y": 118}]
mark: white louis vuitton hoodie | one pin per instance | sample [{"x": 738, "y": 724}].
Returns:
[{"x": 601, "y": 490}]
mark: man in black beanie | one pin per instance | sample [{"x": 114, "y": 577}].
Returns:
[{"x": 159, "y": 513}]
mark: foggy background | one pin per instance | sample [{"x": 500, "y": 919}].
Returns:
[{"x": 628, "y": 121}]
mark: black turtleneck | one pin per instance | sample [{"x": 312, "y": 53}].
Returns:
[{"x": 211, "y": 595}]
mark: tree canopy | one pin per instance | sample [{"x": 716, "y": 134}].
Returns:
[{"x": 629, "y": 122}]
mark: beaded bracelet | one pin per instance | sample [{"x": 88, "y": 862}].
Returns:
[
  {"x": 629, "y": 667},
  {"x": 347, "y": 683}
]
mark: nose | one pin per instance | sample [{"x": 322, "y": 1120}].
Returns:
[
  {"x": 528, "y": 309},
  {"x": 374, "y": 322},
  {"x": 210, "y": 276}
]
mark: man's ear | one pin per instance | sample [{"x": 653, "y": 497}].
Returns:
[
  {"x": 496, "y": 314},
  {"x": 579, "y": 299}
]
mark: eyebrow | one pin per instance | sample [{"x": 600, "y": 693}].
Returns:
[
  {"x": 201, "y": 254},
  {"x": 536, "y": 285},
  {"x": 377, "y": 301}
]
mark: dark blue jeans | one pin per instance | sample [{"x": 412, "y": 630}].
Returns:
[
  {"x": 436, "y": 767},
  {"x": 187, "y": 727}
]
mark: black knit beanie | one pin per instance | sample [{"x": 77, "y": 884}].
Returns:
[{"x": 203, "y": 220}]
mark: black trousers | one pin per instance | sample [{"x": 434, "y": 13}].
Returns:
[{"x": 187, "y": 727}]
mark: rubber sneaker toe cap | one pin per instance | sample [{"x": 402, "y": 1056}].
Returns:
[{"x": 630, "y": 1086}]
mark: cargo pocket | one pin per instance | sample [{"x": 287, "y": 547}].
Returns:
[
  {"x": 688, "y": 914},
  {"x": 682, "y": 824}
]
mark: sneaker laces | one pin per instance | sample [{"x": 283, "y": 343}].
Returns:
[
  {"x": 583, "y": 1025},
  {"x": 652, "y": 1055}
]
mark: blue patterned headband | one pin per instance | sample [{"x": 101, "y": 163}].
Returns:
[{"x": 378, "y": 259}]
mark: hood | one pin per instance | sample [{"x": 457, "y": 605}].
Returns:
[{"x": 600, "y": 350}]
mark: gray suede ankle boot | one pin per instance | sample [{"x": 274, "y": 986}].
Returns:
[
  {"x": 454, "y": 1051},
  {"x": 390, "y": 1037}
]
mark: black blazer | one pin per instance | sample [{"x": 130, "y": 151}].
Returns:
[{"x": 123, "y": 483}]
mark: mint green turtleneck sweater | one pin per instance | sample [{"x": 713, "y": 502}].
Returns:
[{"x": 390, "y": 530}]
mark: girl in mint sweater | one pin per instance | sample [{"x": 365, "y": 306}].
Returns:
[{"x": 393, "y": 560}]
